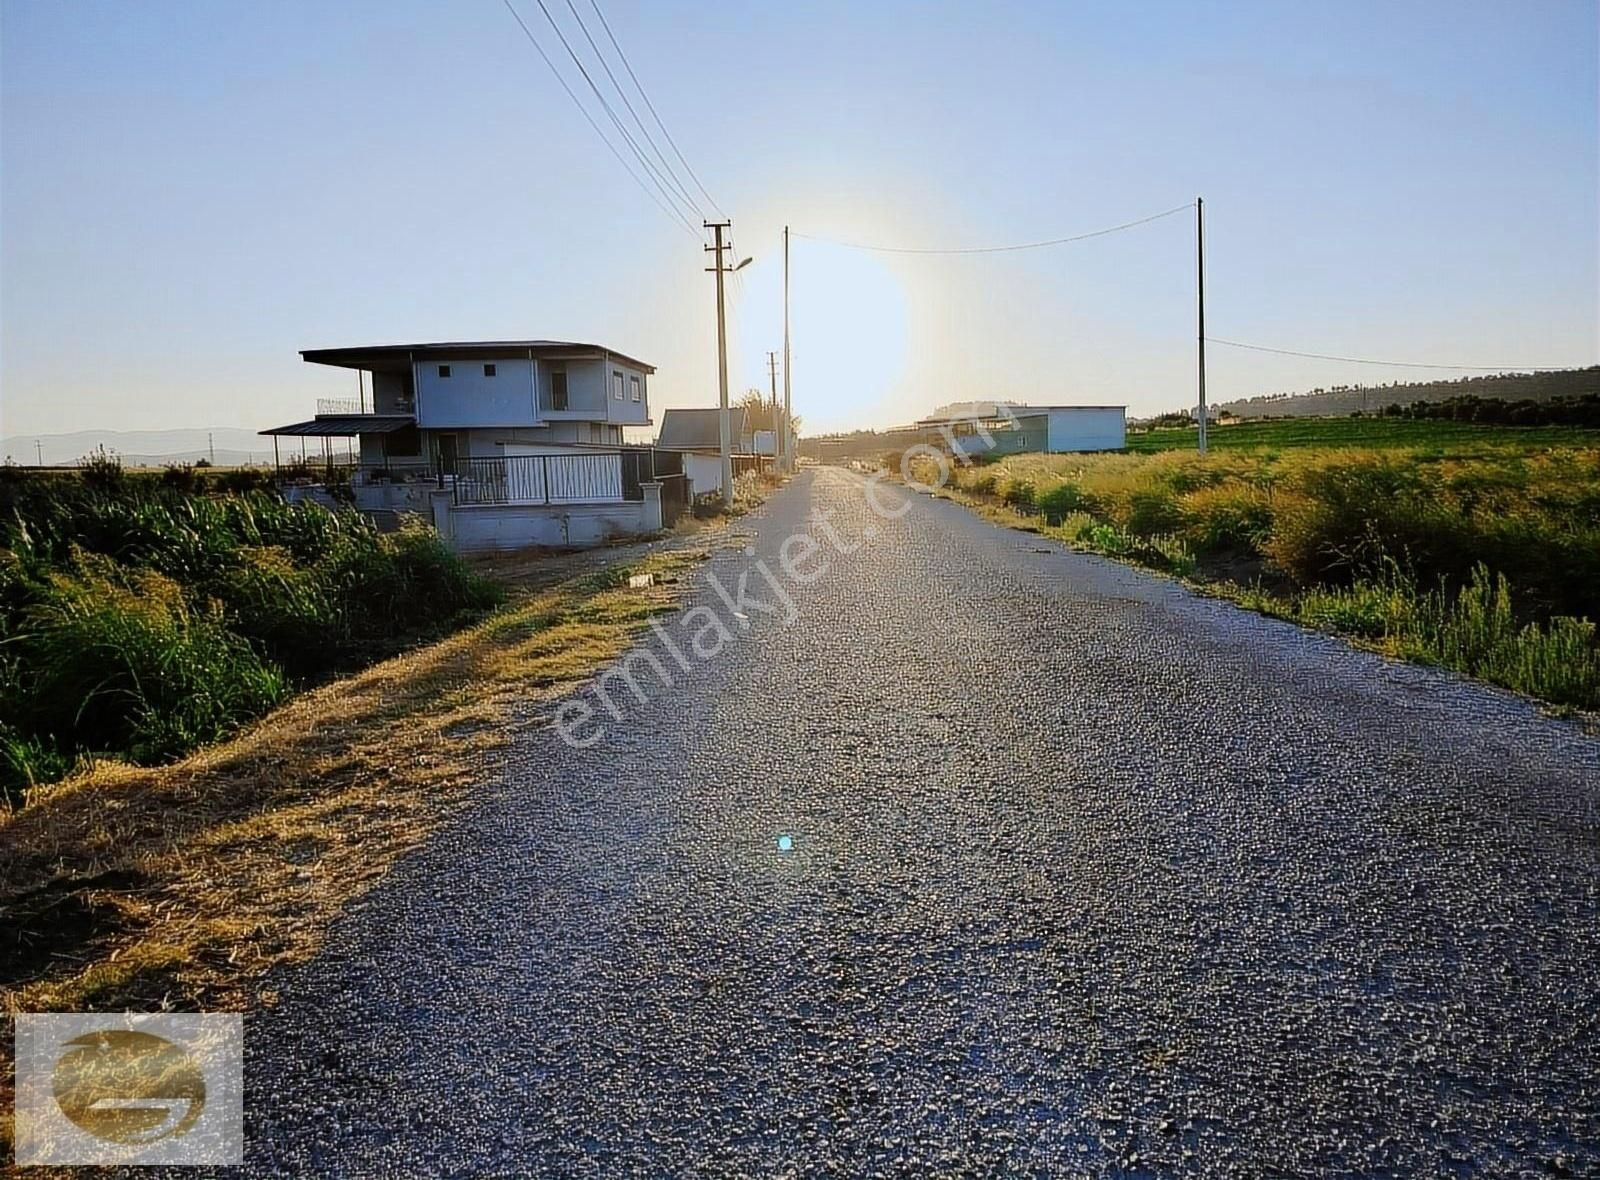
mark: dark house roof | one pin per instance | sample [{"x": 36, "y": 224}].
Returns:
[
  {"x": 698, "y": 430},
  {"x": 399, "y": 356},
  {"x": 346, "y": 425}
]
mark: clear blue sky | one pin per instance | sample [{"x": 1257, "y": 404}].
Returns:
[{"x": 192, "y": 192}]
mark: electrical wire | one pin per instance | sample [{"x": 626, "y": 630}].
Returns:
[
  {"x": 650, "y": 170},
  {"x": 998, "y": 249},
  {"x": 627, "y": 65},
  {"x": 588, "y": 118},
  {"x": 643, "y": 130},
  {"x": 1356, "y": 360}
]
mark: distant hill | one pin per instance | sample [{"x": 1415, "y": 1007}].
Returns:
[
  {"x": 1372, "y": 399},
  {"x": 144, "y": 448}
]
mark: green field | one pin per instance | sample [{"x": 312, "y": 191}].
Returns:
[
  {"x": 1477, "y": 547},
  {"x": 1450, "y": 438}
]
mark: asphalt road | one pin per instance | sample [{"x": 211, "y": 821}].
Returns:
[{"x": 1085, "y": 874}]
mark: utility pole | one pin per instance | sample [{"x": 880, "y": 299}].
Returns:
[
  {"x": 1200, "y": 293},
  {"x": 211, "y": 447},
  {"x": 724, "y": 424},
  {"x": 777, "y": 426},
  {"x": 788, "y": 407}
]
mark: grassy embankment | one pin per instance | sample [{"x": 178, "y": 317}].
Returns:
[
  {"x": 1438, "y": 542},
  {"x": 140, "y": 620},
  {"x": 148, "y": 622},
  {"x": 1451, "y": 438}
]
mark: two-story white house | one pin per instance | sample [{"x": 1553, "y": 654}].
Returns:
[{"x": 498, "y": 424}]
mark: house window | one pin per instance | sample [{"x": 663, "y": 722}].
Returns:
[
  {"x": 616, "y": 386},
  {"x": 558, "y": 389},
  {"x": 444, "y": 370},
  {"x": 488, "y": 370},
  {"x": 633, "y": 383}
]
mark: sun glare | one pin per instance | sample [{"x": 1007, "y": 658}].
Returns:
[{"x": 849, "y": 330}]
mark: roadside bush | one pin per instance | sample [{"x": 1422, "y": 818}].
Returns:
[
  {"x": 1152, "y": 511},
  {"x": 1341, "y": 518},
  {"x": 244, "y": 479},
  {"x": 1062, "y": 500},
  {"x": 1018, "y": 493},
  {"x": 1476, "y": 631},
  {"x": 981, "y": 483},
  {"x": 129, "y": 667},
  {"x": 139, "y": 620},
  {"x": 1231, "y": 516}
]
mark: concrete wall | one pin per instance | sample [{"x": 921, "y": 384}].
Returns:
[
  {"x": 395, "y": 497},
  {"x": 591, "y": 391},
  {"x": 479, "y": 527},
  {"x": 1088, "y": 428},
  {"x": 586, "y": 387},
  {"x": 704, "y": 472},
  {"x": 625, "y": 409},
  {"x": 468, "y": 397}
]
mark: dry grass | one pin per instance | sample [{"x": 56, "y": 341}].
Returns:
[{"x": 180, "y": 886}]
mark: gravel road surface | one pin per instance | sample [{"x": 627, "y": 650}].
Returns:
[{"x": 997, "y": 859}]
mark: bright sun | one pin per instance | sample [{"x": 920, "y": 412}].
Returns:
[{"x": 849, "y": 328}]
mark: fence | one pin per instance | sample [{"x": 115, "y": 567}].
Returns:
[{"x": 589, "y": 478}]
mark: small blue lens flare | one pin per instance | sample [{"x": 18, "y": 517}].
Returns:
[{"x": 785, "y": 843}]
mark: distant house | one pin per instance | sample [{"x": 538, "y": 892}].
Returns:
[
  {"x": 503, "y": 443},
  {"x": 696, "y": 435},
  {"x": 999, "y": 428},
  {"x": 697, "y": 430}
]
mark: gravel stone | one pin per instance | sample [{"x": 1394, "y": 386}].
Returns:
[{"x": 1089, "y": 874}]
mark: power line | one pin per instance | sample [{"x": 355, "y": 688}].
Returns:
[
  {"x": 622, "y": 94},
  {"x": 605, "y": 24},
  {"x": 1356, "y": 360},
  {"x": 649, "y": 168},
  {"x": 588, "y": 118},
  {"x": 1001, "y": 249}
]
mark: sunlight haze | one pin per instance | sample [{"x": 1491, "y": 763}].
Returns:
[{"x": 193, "y": 192}]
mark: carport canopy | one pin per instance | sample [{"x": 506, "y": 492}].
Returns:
[{"x": 345, "y": 425}]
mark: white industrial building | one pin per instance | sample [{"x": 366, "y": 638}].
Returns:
[{"x": 1000, "y": 428}]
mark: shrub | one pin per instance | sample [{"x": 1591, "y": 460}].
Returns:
[
  {"x": 1062, "y": 500},
  {"x": 1018, "y": 493},
  {"x": 127, "y": 666},
  {"x": 101, "y": 470},
  {"x": 1152, "y": 511},
  {"x": 980, "y": 483},
  {"x": 141, "y": 620},
  {"x": 1234, "y": 515}
]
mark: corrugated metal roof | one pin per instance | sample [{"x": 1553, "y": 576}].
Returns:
[{"x": 346, "y": 425}]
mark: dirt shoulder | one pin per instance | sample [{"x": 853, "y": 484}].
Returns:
[{"x": 180, "y": 886}]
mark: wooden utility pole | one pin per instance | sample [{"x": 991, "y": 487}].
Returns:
[
  {"x": 724, "y": 423},
  {"x": 788, "y": 407},
  {"x": 1200, "y": 293}
]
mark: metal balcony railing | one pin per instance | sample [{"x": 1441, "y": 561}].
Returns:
[{"x": 598, "y": 478}]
